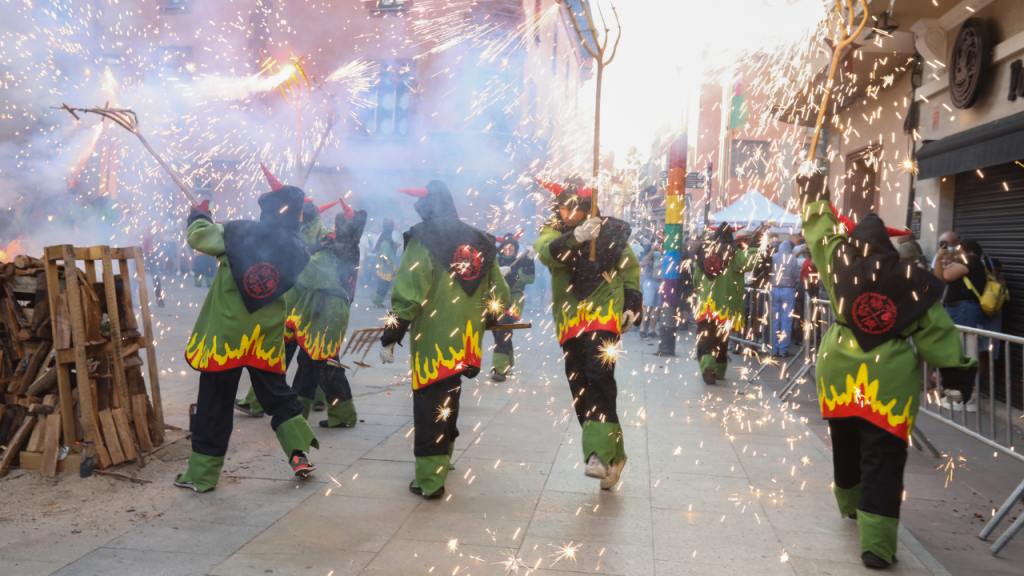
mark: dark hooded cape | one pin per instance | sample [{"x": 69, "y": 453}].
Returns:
[
  {"x": 587, "y": 275},
  {"x": 715, "y": 254},
  {"x": 879, "y": 295},
  {"x": 266, "y": 257},
  {"x": 467, "y": 253},
  {"x": 344, "y": 246}
]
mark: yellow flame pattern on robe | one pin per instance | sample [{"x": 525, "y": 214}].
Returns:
[
  {"x": 861, "y": 399},
  {"x": 320, "y": 347},
  {"x": 708, "y": 311},
  {"x": 431, "y": 370},
  {"x": 588, "y": 318},
  {"x": 250, "y": 352}
]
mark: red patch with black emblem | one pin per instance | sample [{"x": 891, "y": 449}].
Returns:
[
  {"x": 261, "y": 280},
  {"x": 468, "y": 262},
  {"x": 874, "y": 313},
  {"x": 713, "y": 264}
]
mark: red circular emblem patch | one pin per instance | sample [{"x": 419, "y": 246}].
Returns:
[
  {"x": 261, "y": 280},
  {"x": 874, "y": 313},
  {"x": 713, "y": 264},
  {"x": 468, "y": 262}
]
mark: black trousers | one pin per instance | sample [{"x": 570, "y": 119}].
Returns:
[
  {"x": 215, "y": 410},
  {"x": 435, "y": 412},
  {"x": 712, "y": 339},
  {"x": 864, "y": 454},
  {"x": 591, "y": 377},
  {"x": 503, "y": 338},
  {"x": 313, "y": 373}
]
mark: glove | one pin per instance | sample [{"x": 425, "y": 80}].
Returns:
[
  {"x": 199, "y": 212},
  {"x": 588, "y": 230},
  {"x": 628, "y": 317},
  {"x": 505, "y": 270},
  {"x": 387, "y": 355},
  {"x": 957, "y": 385}
]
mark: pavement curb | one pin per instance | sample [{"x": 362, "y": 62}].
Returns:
[{"x": 908, "y": 539}]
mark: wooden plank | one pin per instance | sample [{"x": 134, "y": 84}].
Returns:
[
  {"x": 51, "y": 447},
  {"x": 120, "y": 384},
  {"x": 97, "y": 350},
  {"x": 34, "y": 364},
  {"x": 90, "y": 428},
  {"x": 35, "y": 441},
  {"x": 124, "y": 279},
  {"x": 44, "y": 383},
  {"x": 140, "y": 407},
  {"x": 147, "y": 323},
  {"x": 110, "y": 436},
  {"x": 61, "y": 323},
  {"x": 14, "y": 446},
  {"x": 90, "y": 271},
  {"x": 124, "y": 433},
  {"x": 71, "y": 463}
]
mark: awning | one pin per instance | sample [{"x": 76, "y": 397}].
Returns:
[{"x": 994, "y": 143}]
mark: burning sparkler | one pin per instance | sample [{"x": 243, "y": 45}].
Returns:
[
  {"x": 566, "y": 551},
  {"x": 611, "y": 351}
]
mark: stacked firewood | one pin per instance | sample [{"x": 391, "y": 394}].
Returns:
[{"x": 36, "y": 343}]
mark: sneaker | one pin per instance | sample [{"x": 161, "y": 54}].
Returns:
[
  {"x": 319, "y": 407},
  {"x": 596, "y": 468},
  {"x": 187, "y": 484},
  {"x": 497, "y": 376},
  {"x": 247, "y": 410},
  {"x": 614, "y": 470},
  {"x": 872, "y": 560},
  {"x": 300, "y": 464},
  {"x": 709, "y": 376},
  {"x": 419, "y": 491},
  {"x": 972, "y": 406},
  {"x": 955, "y": 406}
]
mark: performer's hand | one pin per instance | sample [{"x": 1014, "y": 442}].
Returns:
[
  {"x": 387, "y": 355},
  {"x": 505, "y": 270},
  {"x": 589, "y": 230},
  {"x": 628, "y": 317}
]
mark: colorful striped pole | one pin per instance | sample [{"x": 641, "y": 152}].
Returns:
[{"x": 672, "y": 260}]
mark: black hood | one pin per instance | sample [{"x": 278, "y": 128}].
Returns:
[
  {"x": 344, "y": 246},
  {"x": 467, "y": 253},
  {"x": 571, "y": 197},
  {"x": 716, "y": 253},
  {"x": 266, "y": 257},
  {"x": 437, "y": 203},
  {"x": 310, "y": 213},
  {"x": 878, "y": 295},
  {"x": 282, "y": 208}
]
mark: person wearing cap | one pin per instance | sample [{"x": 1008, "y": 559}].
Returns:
[
  {"x": 519, "y": 272},
  {"x": 387, "y": 255},
  {"x": 719, "y": 288},
  {"x": 594, "y": 302},
  {"x": 448, "y": 289},
  {"x": 868, "y": 372},
  {"x": 241, "y": 325}
]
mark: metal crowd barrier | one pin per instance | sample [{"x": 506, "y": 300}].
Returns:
[
  {"x": 992, "y": 421},
  {"x": 758, "y": 326}
]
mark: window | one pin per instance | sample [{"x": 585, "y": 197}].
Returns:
[
  {"x": 750, "y": 158},
  {"x": 176, "y": 6},
  {"x": 390, "y": 5},
  {"x": 391, "y": 117}
]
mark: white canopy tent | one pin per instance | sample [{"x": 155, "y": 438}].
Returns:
[{"x": 752, "y": 209}]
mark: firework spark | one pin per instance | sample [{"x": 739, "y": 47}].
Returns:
[
  {"x": 566, "y": 551},
  {"x": 611, "y": 352}
]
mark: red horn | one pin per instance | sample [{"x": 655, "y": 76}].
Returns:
[
  {"x": 553, "y": 187},
  {"x": 850, "y": 224},
  {"x": 894, "y": 232},
  {"x": 349, "y": 212},
  {"x": 519, "y": 235},
  {"x": 307, "y": 200},
  {"x": 275, "y": 185},
  {"x": 417, "y": 192},
  {"x": 585, "y": 192},
  {"x": 326, "y": 207}
]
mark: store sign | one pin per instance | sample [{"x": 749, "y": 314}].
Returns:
[{"x": 915, "y": 224}]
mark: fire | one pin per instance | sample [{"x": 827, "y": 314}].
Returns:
[{"x": 8, "y": 252}]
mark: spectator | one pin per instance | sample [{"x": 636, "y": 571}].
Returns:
[
  {"x": 950, "y": 238},
  {"x": 962, "y": 302},
  {"x": 687, "y": 258},
  {"x": 784, "y": 277},
  {"x": 910, "y": 252},
  {"x": 650, "y": 271},
  {"x": 992, "y": 323}
]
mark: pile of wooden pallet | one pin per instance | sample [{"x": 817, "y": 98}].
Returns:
[{"x": 72, "y": 390}]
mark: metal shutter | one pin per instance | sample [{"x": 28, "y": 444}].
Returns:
[{"x": 984, "y": 210}]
